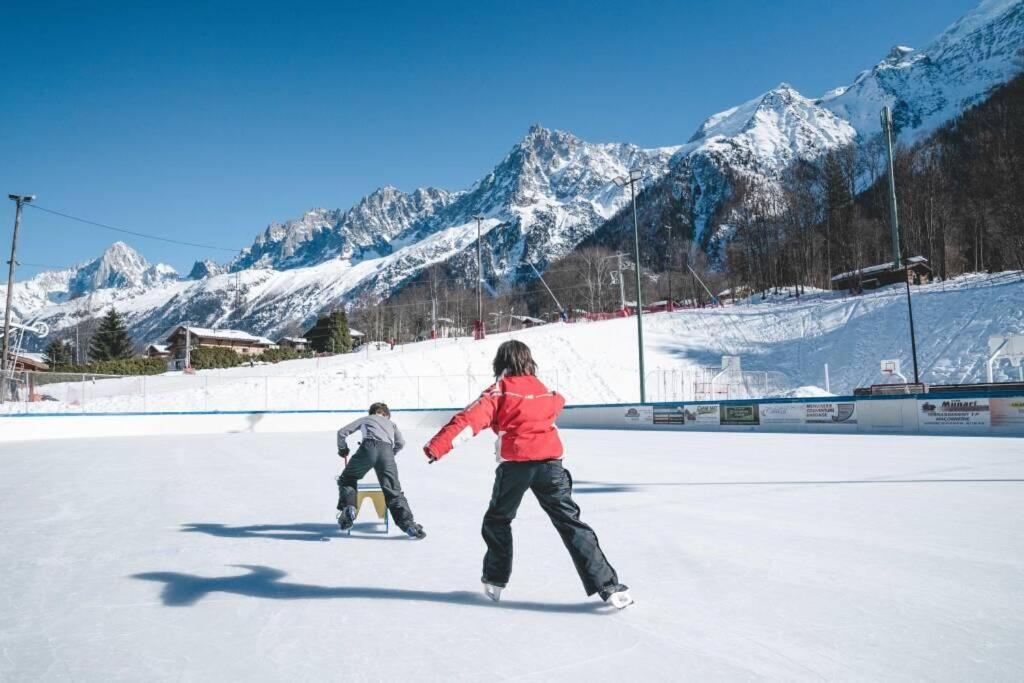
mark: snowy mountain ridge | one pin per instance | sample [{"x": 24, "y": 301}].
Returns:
[{"x": 551, "y": 192}]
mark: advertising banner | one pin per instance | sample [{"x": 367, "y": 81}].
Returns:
[
  {"x": 741, "y": 414},
  {"x": 831, "y": 413},
  {"x": 1007, "y": 412},
  {"x": 639, "y": 415},
  {"x": 783, "y": 414},
  {"x": 687, "y": 416},
  {"x": 955, "y": 412}
]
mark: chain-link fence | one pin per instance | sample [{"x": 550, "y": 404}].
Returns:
[
  {"x": 713, "y": 384},
  {"x": 52, "y": 392}
]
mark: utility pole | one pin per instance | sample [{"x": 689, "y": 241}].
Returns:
[
  {"x": 19, "y": 200},
  {"x": 895, "y": 225},
  {"x": 479, "y": 279},
  {"x": 634, "y": 176}
]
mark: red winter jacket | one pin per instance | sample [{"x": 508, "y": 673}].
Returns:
[{"x": 520, "y": 410}]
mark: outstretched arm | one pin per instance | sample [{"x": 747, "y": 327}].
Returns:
[{"x": 466, "y": 424}]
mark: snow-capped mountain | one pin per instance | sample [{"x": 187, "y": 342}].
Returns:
[
  {"x": 927, "y": 87},
  {"x": 551, "y": 192},
  {"x": 120, "y": 267},
  {"x": 759, "y": 139}
]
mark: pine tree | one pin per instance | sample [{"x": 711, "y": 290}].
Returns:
[
  {"x": 331, "y": 334},
  {"x": 59, "y": 354},
  {"x": 111, "y": 340}
]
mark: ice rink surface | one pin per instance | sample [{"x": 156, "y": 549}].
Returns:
[{"x": 751, "y": 556}]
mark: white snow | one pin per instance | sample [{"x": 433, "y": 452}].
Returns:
[
  {"x": 751, "y": 556},
  {"x": 785, "y": 340}
]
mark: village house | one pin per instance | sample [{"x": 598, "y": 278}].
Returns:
[
  {"x": 158, "y": 351},
  {"x": 296, "y": 343},
  {"x": 185, "y": 337}
]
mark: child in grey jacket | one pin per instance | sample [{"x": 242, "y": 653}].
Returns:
[{"x": 381, "y": 442}]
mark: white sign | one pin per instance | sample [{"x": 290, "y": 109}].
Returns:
[
  {"x": 955, "y": 412},
  {"x": 640, "y": 415},
  {"x": 783, "y": 414},
  {"x": 704, "y": 415}
]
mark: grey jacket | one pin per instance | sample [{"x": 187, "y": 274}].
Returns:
[{"x": 375, "y": 428}]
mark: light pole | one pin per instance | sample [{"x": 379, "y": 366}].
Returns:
[
  {"x": 670, "y": 259},
  {"x": 479, "y": 279},
  {"x": 895, "y": 225},
  {"x": 634, "y": 176},
  {"x": 19, "y": 199}
]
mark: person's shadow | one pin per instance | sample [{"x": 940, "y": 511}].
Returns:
[
  {"x": 290, "y": 532},
  {"x": 181, "y": 590}
]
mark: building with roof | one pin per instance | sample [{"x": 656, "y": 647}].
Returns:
[
  {"x": 185, "y": 337},
  {"x": 296, "y": 343},
  {"x": 158, "y": 351},
  {"x": 915, "y": 270}
]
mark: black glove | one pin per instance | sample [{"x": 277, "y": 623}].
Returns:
[{"x": 343, "y": 452}]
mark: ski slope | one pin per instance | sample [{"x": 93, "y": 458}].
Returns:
[
  {"x": 752, "y": 556},
  {"x": 597, "y": 362}
]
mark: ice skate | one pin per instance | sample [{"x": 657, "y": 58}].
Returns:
[
  {"x": 617, "y": 596},
  {"x": 415, "y": 531},
  {"x": 347, "y": 517},
  {"x": 492, "y": 591}
]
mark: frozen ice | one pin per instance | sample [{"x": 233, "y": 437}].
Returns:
[{"x": 750, "y": 556}]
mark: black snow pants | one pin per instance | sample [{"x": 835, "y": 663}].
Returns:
[
  {"x": 380, "y": 457},
  {"x": 552, "y": 484}
]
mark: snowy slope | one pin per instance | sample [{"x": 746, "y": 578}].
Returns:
[{"x": 597, "y": 362}]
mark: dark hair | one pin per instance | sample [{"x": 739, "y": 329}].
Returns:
[
  {"x": 380, "y": 408},
  {"x": 514, "y": 358}
]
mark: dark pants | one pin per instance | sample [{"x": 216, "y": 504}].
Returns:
[
  {"x": 380, "y": 457},
  {"x": 552, "y": 484}
]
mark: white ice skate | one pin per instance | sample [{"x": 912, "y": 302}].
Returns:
[
  {"x": 492, "y": 591},
  {"x": 617, "y": 596}
]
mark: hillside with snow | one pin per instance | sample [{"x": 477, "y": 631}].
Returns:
[
  {"x": 551, "y": 193},
  {"x": 784, "y": 346}
]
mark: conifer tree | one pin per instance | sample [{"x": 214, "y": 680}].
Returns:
[
  {"x": 111, "y": 340},
  {"x": 58, "y": 354}
]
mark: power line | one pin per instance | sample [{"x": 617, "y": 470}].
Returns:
[{"x": 131, "y": 232}]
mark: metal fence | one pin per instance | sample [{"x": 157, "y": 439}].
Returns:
[
  {"x": 47, "y": 392},
  {"x": 713, "y": 384}
]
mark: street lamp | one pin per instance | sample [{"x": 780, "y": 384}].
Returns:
[
  {"x": 632, "y": 178},
  {"x": 19, "y": 199},
  {"x": 479, "y": 279}
]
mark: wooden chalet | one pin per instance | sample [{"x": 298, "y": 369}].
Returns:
[{"x": 916, "y": 271}]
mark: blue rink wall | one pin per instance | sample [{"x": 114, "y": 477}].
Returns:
[{"x": 991, "y": 413}]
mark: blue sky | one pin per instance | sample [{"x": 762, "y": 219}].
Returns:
[{"x": 206, "y": 121}]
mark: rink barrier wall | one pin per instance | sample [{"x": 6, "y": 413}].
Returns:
[{"x": 992, "y": 413}]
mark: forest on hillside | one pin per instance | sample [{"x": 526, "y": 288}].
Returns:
[{"x": 960, "y": 198}]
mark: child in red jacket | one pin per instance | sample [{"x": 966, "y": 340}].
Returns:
[{"x": 522, "y": 412}]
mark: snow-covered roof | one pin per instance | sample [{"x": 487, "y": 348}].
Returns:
[
  {"x": 293, "y": 340},
  {"x": 353, "y": 332},
  {"x": 159, "y": 348},
  {"x": 28, "y": 357},
  {"x": 880, "y": 268},
  {"x": 528, "y": 319},
  {"x": 229, "y": 335}
]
